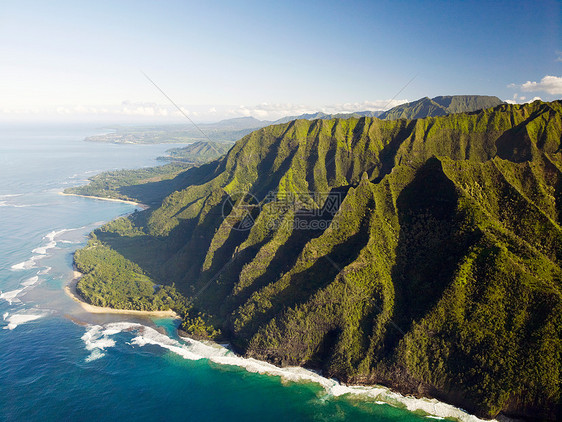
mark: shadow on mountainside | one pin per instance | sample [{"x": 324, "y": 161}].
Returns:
[
  {"x": 304, "y": 284},
  {"x": 152, "y": 193},
  {"x": 429, "y": 246}
]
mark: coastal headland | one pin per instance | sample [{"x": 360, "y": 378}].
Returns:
[{"x": 70, "y": 290}]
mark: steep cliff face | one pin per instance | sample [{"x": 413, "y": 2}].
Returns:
[{"x": 422, "y": 254}]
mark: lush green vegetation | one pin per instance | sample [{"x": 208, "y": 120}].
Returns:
[
  {"x": 111, "y": 280},
  {"x": 150, "y": 185},
  {"x": 440, "y": 106},
  {"x": 439, "y": 273},
  {"x": 198, "y": 152},
  {"x": 147, "y": 185}
]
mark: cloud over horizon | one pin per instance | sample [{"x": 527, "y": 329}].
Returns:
[
  {"x": 138, "y": 111},
  {"x": 550, "y": 84}
]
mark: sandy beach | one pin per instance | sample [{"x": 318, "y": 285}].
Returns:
[
  {"x": 138, "y": 204},
  {"x": 70, "y": 290}
]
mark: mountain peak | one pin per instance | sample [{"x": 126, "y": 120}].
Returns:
[{"x": 440, "y": 106}]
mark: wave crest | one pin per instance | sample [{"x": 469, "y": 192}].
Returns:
[{"x": 97, "y": 338}]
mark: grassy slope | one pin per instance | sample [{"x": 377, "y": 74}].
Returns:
[{"x": 439, "y": 274}]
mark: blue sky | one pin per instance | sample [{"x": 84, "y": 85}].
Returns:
[{"x": 217, "y": 59}]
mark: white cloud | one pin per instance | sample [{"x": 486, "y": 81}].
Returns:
[
  {"x": 517, "y": 98},
  {"x": 550, "y": 84},
  {"x": 520, "y": 99},
  {"x": 362, "y": 106},
  {"x": 152, "y": 112},
  {"x": 125, "y": 111},
  {"x": 267, "y": 111}
]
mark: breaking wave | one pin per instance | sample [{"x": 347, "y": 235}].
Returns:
[
  {"x": 17, "y": 319},
  {"x": 41, "y": 251},
  {"x": 11, "y": 296},
  {"x": 31, "y": 280},
  {"x": 26, "y": 265},
  {"x": 97, "y": 339}
]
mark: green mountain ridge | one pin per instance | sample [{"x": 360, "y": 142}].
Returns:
[
  {"x": 420, "y": 254},
  {"x": 230, "y": 130},
  {"x": 325, "y": 116},
  {"x": 440, "y": 106}
]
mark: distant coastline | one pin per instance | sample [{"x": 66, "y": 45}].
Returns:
[
  {"x": 70, "y": 290},
  {"x": 138, "y": 204}
]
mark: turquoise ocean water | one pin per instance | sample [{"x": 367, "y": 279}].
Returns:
[{"x": 59, "y": 363}]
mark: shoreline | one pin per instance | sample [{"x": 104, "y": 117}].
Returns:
[
  {"x": 70, "y": 290},
  {"x": 433, "y": 407},
  {"x": 138, "y": 204}
]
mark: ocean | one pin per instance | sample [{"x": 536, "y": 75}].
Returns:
[{"x": 59, "y": 363}]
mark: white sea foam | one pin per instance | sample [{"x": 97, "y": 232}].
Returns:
[
  {"x": 26, "y": 265},
  {"x": 5, "y": 204},
  {"x": 11, "y": 296},
  {"x": 5, "y": 315},
  {"x": 31, "y": 281},
  {"x": 42, "y": 250},
  {"x": 96, "y": 339},
  {"x": 44, "y": 271},
  {"x": 17, "y": 319},
  {"x": 195, "y": 350},
  {"x": 12, "y": 205},
  {"x": 52, "y": 235},
  {"x": 95, "y": 355}
]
